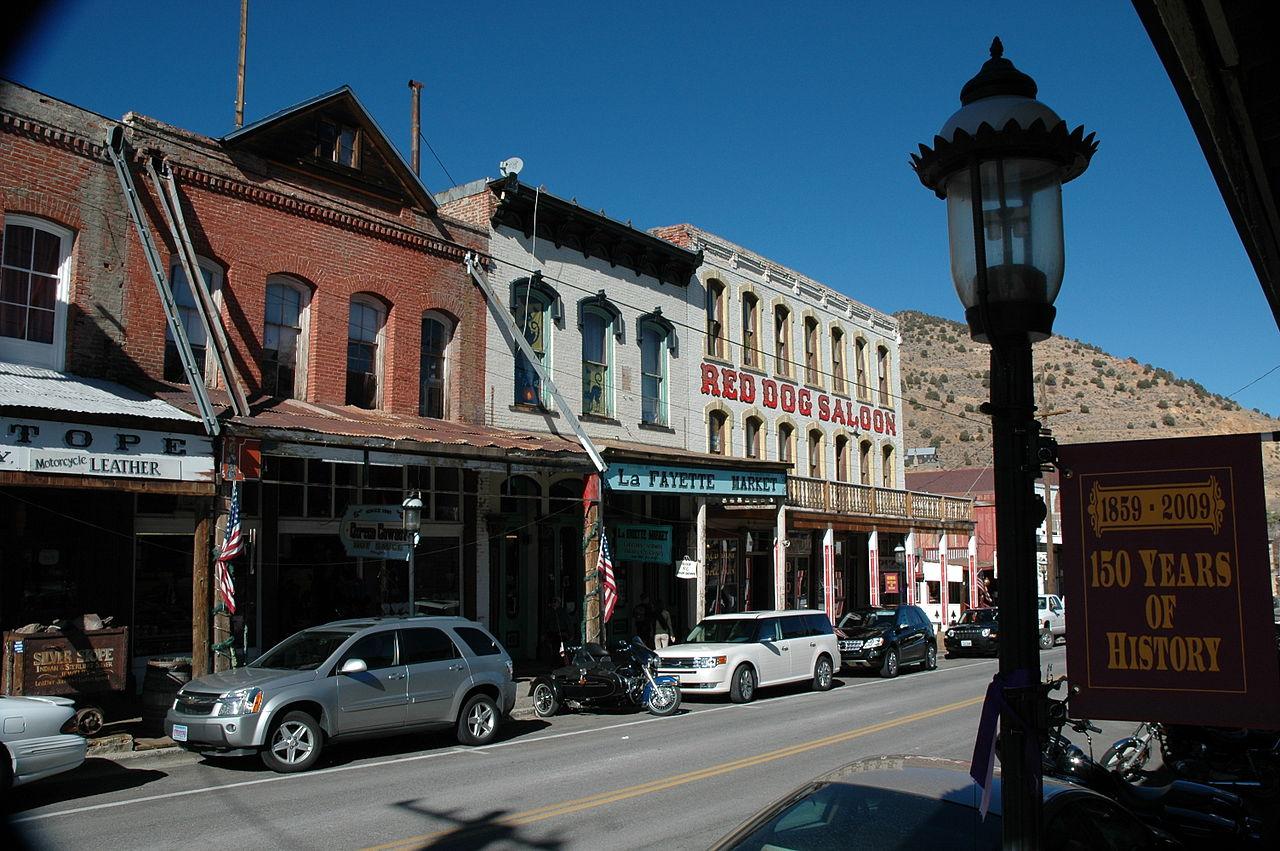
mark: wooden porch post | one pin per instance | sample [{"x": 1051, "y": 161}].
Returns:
[
  {"x": 592, "y": 628},
  {"x": 201, "y": 601}
]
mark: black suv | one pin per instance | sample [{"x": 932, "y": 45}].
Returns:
[
  {"x": 978, "y": 632},
  {"x": 887, "y": 637}
]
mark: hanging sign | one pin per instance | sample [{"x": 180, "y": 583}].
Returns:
[
  {"x": 687, "y": 569},
  {"x": 637, "y": 542},
  {"x": 1166, "y": 569},
  {"x": 699, "y": 481},
  {"x": 375, "y": 531},
  {"x": 891, "y": 583},
  {"x": 75, "y": 449}
]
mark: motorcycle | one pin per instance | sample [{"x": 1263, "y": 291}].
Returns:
[
  {"x": 1246, "y": 762},
  {"x": 625, "y": 675},
  {"x": 1195, "y": 813}
]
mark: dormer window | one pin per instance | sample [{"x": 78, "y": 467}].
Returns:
[{"x": 339, "y": 143}]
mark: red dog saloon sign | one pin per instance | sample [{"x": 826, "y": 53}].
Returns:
[
  {"x": 1167, "y": 582},
  {"x": 726, "y": 383}
]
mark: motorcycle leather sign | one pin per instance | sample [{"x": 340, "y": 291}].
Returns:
[{"x": 1168, "y": 597}]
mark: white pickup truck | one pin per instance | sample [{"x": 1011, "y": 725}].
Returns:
[{"x": 1053, "y": 620}]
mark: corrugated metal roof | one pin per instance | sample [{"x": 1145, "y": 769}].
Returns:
[{"x": 34, "y": 387}]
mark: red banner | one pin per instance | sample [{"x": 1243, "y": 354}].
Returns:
[{"x": 1167, "y": 582}]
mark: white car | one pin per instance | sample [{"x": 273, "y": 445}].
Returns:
[
  {"x": 36, "y": 739},
  {"x": 1053, "y": 619},
  {"x": 736, "y": 654}
]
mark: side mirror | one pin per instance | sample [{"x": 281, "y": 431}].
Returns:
[{"x": 353, "y": 666}]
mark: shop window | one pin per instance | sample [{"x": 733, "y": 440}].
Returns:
[
  {"x": 533, "y": 304},
  {"x": 786, "y": 443},
  {"x": 838, "y": 382},
  {"x": 723, "y": 594},
  {"x": 860, "y": 365},
  {"x": 439, "y": 489},
  {"x": 864, "y": 462},
  {"x": 752, "y": 429},
  {"x": 433, "y": 370},
  {"x": 597, "y": 390},
  {"x": 34, "y": 276},
  {"x": 782, "y": 340},
  {"x": 284, "y": 339},
  {"x": 812, "y": 371},
  {"x": 365, "y": 329},
  {"x": 189, "y": 315},
  {"x": 886, "y": 468},
  {"x": 715, "y": 318},
  {"x": 842, "y": 458},
  {"x": 751, "y": 354},
  {"x": 654, "y": 346},
  {"x": 882, "y": 369},
  {"x": 521, "y": 495},
  {"x": 566, "y": 498},
  {"x": 717, "y": 432},
  {"x": 815, "y": 454},
  {"x": 339, "y": 143}
]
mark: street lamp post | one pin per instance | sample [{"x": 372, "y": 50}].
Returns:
[
  {"x": 412, "y": 523},
  {"x": 1000, "y": 162}
]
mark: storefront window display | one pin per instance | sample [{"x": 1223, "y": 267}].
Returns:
[
  {"x": 799, "y": 575},
  {"x": 723, "y": 591}
]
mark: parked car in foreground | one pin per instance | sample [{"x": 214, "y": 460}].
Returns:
[
  {"x": 977, "y": 633},
  {"x": 885, "y": 638},
  {"x": 38, "y": 739},
  {"x": 912, "y": 802},
  {"x": 736, "y": 654},
  {"x": 346, "y": 680},
  {"x": 1052, "y": 617}
]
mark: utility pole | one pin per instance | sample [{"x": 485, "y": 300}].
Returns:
[
  {"x": 415, "y": 120},
  {"x": 1050, "y": 555},
  {"x": 244, "y": 37}
]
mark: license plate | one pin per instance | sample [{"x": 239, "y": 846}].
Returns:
[
  {"x": 966, "y": 643},
  {"x": 179, "y": 733}
]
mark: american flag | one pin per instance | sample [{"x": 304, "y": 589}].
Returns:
[
  {"x": 606, "y": 578},
  {"x": 231, "y": 547}
]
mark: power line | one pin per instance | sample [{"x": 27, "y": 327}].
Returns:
[
  {"x": 1255, "y": 381},
  {"x": 439, "y": 162}
]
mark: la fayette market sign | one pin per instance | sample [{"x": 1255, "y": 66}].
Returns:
[{"x": 694, "y": 480}]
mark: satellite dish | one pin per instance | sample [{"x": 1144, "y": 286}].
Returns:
[{"x": 510, "y": 166}]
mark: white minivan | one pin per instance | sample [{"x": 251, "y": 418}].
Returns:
[{"x": 736, "y": 654}]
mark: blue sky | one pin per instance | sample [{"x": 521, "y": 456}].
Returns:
[{"x": 782, "y": 127}]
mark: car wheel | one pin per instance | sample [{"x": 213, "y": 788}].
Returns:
[
  {"x": 742, "y": 688},
  {"x": 822, "y": 674},
  {"x": 890, "y": 666},
  {"x": 293, "y": 744},
  {"x": 931, "y": 657},
  {"x": 478, "y": 721},
  {"x": 1046, "y": 639},
  {"x": 545, "y": 702}
]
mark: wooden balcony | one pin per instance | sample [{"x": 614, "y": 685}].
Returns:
[{"x": 865, "y": 500}]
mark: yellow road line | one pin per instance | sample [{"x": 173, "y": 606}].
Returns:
[{"x": 601, "y": 799}]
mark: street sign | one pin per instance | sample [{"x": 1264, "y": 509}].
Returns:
[
  {"x": 375, "y": 531},
  {"x": 1166, "y": 576}
]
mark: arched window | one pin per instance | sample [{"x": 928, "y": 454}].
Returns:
[
  {"x": 838, "y": 382},
  {"x": 815, "y": 454},
  {"x": 365, "y": 325},
  {"x": 812, "y": 370},
  {"x": 189, "y": 316},
  {"x": 433, "y": 368},
  {"x": 860, "y": 364},
  {"x": 534, "y": 305},
  {"x": 864, "y": 462},
  {"x": 36, "y": 260},
  {"x": 887, "y": 477},
  {"x": 752, "y": 429},
  {"x": 521, "y": 495},
  {"x": 284, "y": 338},
  {"x": 715, "y": 318},
  {"x": 565, "y": 497},
  {"x": 786, "y": 443},
  {"x": 751, "y": 354},
  {"x": 882, "y": 369},
  {"x": 782, "y": 340},
  {"x": 842, "y": 458},
  {"x": 717, "y": 432},
  {"x": 655, "y": 343}
]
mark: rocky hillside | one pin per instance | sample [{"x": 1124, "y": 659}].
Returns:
[{"x": 1088, "y": 395}]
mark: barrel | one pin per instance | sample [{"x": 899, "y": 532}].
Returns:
[{"x": 163, "y": 679}]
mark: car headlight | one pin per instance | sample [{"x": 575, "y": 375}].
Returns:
[
  {"x": 245, "y": 701},
  {"x": 986, "y": 633},
  {"x": 872, "y": 642},
  {"x": 709, "y": 661},
  {"x": 950, "y": 633},
  {"x": 994, "y": 635}
]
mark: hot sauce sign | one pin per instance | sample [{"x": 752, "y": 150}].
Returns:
[
  {"x": 728, "y": 383},
  {"x": 1168, "y": 599}
]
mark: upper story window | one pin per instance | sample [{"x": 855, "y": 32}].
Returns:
[
  {"x": 364, "y": 351},
  {"x": 864, "y": 462},
  {"x": 751, "y": 353},
  {"x": 534, "y": 306},
  {"x": 34, "y": 286},
  {"x": 860, "y": 364},
  {"x": 886, "y": 467},
  {"x": 717, "y": 432},
  {"x": 284, "y": 338},
  {"x": 786, "y": 443},
  {"x": 433, "y": 371},
  {"x": 596, "y": 380},
  {"x": 842, "y": 458},
  {"x": 339, "y": 143},
  {"x": 189, "y": 315},
  {"x": 715, "y": 319},
  {"x": 812, "y": 370},
  {"x": 839, "y": 384},
  {"x": 753, "y": 429},
  {"x": 815, "y": 454},
  {"x": 654, "y": 345},
  {"x": 782, "y": 339},
  {"x": 882, "y": 371}
]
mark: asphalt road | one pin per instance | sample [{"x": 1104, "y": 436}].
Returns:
[{"x": 586, "y": 780}]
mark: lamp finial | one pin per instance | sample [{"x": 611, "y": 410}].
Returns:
[{"x": 997, "y": 48}]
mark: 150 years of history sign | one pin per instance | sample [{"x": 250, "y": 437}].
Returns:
[{"x": 1167, "y": 581}]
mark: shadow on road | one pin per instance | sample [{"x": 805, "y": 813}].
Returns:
[
  {"x": 94, "y": 777},
  {"x": 478, "y": 832}
]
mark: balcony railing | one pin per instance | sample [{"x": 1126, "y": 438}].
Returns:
[
  {"x": 848, "y": 498},
  {"x": 955, "y": 555}
]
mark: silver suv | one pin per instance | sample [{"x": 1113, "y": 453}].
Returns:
[{"x": 346, "y": 680}]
